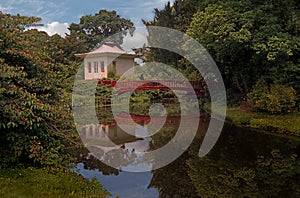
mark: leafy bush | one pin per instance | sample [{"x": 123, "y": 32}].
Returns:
[
  {"x": 273, "y": 99},
  {"x": 35, "y": 114},
  {"x": 286, "y": 96}
]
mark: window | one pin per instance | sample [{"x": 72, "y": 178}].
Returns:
[
  {"x": 90, "y": 67},
  {"x": 102, "y": 66},
  {"x": 96, "y": 67}
]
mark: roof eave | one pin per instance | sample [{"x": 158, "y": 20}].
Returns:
[{"x": 125, "y": 55}]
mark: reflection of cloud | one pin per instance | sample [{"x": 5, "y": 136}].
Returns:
[
  {"x": 125, "y": 184},
  {"x": 55, "y": 28}
]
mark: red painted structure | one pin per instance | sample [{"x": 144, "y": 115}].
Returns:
[{"x": 199, "y": 87}]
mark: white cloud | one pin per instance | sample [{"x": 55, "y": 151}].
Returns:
[
  {"x": 48, "y": 10},
  {"x": 70, "y": 11},
  {"x": 138, "y": 39},
  {"x": 55, "y": 28},
  {"x": 4, "y": 9}
]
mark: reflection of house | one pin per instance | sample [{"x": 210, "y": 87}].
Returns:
[
  {"x": 99, "y": 62},
  {"x": 104, "y": 134}
]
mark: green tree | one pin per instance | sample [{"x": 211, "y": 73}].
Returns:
[
  {"x": 35, "y": 116},
  {"x": 93, "y": 29},
  {"x": 249, "y": 39},
  {"x": 178, "y": 16}
]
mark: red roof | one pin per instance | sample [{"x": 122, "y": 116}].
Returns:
[{"x": 106, "y": 49}]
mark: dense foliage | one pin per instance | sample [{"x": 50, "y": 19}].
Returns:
[
  {"x": 249, "y": 40},
  {"x": 273, "y": 99},
  {"x": 93, "y": 29},
  {"x": 35, "y": 116}
]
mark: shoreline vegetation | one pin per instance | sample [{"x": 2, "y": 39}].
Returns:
[{"x": 285, "y": 124}]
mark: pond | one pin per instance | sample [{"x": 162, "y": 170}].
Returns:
[{"x": 243, "y": 163}]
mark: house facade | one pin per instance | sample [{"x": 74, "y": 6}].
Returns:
[{"x": 99, "y": 62}]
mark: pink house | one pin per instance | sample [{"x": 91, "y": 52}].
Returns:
[{"x": 99, "y": 62}]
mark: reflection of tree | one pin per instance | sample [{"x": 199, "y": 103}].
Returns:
[
  {"x": 279, "y": 175},
  {"x": 163, "y": 136},
  {"x": 170, "y": 129},
  {"x": 218, "y": 179},
  {"x": 241, "y": 165},
  {"x": 90, "y": 162},
  {"x": 173, "y": 180},
  {"x": 276, "y": 176},
  {"x": 115, "y": 157}
]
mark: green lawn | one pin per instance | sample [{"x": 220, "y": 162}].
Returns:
[
  {"x": 33, "y": 182},
  {"x": 282, "y": 124}
]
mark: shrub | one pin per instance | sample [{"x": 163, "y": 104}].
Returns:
[
  {"x": 273, "y": 99},
  {"x": 286, "y": 96}
]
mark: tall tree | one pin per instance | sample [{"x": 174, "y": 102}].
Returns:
[
  {"x": 177, "y": 16},
  {"x": 92, "y": 29},
  {"x": 248, "y": 39},
  {"x": 35, "y": 120}
]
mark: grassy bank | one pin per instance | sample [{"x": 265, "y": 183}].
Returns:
[
  {"x": 288, "y": 124},
  {"x": 31, "y": 182}
]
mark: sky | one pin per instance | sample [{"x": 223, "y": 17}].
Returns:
[{"x": 57, "y": 15}]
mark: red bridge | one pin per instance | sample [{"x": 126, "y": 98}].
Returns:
[{"x": 199, "y": 87}]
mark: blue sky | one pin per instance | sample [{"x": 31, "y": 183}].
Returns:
[{"x": 58, "y": 14}]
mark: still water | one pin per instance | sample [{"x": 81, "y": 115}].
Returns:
[{"x": 243, "y": 163}]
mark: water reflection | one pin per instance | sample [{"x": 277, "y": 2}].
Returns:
[
  {"x": 243, "y": 163},
  {"x": 111, "y": 144}
]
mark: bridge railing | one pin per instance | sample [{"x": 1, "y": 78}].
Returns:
[
  {"x": 152, "y": 83},
  {"x": 124, "y": 86}
]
